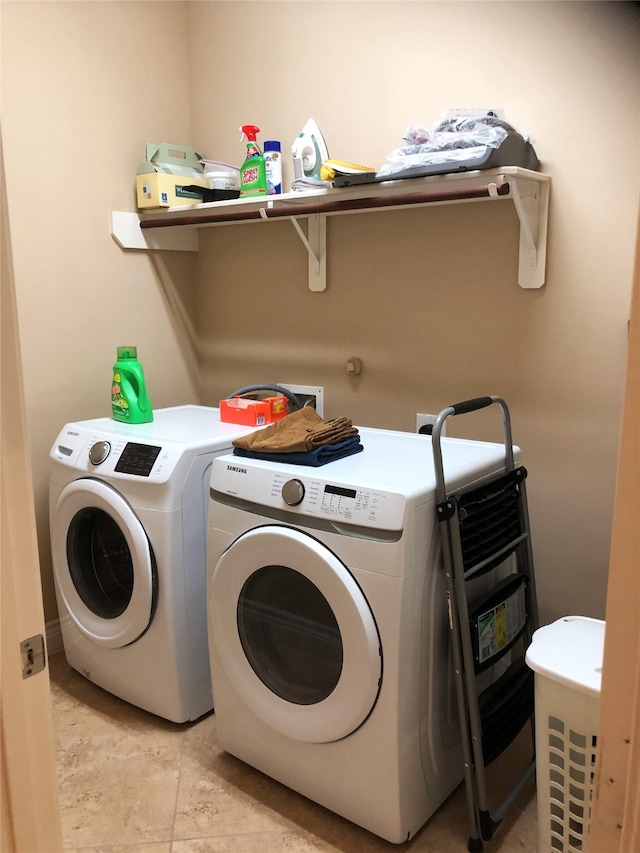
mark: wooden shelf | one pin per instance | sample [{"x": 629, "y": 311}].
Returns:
[{"x": 177, "y": 228}]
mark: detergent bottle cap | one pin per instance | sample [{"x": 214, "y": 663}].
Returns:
[
  {"x": 272, "y": 145},
  {"x": 127, "y": 352},
  {"x": 250, "y": 131}
]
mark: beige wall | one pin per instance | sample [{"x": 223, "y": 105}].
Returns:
[
  {"x": 427, "y": 298},
  {"x": 84, "y": 87}
]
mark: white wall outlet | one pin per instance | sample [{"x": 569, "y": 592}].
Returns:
[
  {"x": 308, "y": 393},
  {"x": 423, "y": 422}
]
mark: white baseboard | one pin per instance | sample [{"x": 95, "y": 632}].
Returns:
[{"x": 54, "y": 637}]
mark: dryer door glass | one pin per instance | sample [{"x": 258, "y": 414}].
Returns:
[
  {"x": 100, "y": 562},
  {"x": 290, "y": 635}
]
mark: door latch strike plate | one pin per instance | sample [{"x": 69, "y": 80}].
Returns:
[{"x": 32, "y": 655}]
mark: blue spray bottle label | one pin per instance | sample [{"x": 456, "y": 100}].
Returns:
[{"x": 273, "y": 165}]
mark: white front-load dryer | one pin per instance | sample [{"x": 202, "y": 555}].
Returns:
[
  {"x": 128, "y": 523},
  {"x": 328, "y": 625}
]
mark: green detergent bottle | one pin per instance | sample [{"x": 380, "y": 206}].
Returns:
[
  {"x": 129, "y": 398},
  {"x": 253, "y": 172}
]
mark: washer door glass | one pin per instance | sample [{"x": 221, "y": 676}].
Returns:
[
  {"x": 100, "y": 562},
  {"x": 103, "y": 563},
  {"x": 295, "y": 634}
]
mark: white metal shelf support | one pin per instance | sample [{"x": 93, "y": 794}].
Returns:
[
  {"x": 316, "y": 246},
  {"x": 531, "y": 200}
]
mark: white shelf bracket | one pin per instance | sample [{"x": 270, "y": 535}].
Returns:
[
  {"x": 316, "y": 246},
  {"x": 126, "y": 231},
  {"x": 531, "y": 200}
]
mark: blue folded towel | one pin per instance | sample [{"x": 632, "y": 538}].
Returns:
[{"x": 319, "y": 456}]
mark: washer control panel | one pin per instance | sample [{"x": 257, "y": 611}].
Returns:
[{"x": 116, "y": 456}]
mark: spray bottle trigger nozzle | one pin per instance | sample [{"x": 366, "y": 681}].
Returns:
[{"x": 250, "y": 131}]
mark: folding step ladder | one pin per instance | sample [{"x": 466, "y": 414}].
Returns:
[{"x": 493, "y": 613}]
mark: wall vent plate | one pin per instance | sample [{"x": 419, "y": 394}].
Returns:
[{"x": 315, "y": 393}]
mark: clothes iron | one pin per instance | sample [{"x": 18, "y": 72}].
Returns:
[{"x": 309, "y": 152}]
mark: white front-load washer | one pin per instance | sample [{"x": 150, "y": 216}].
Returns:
[
  {"x": 128, "y": 522},
  {"x": 329, "y": 625}
]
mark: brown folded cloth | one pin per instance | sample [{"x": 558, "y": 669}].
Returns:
[{"x": 300, "y": 431}]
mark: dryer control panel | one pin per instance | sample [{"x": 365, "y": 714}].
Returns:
[{"x": 307, "y": 494}]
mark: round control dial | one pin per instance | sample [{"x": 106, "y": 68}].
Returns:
[
  {"x": 99, "y": 452},
  {"x": 293, "y": 492}
]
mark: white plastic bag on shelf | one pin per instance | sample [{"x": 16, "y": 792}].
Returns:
[{"x": 449, "y": 141}]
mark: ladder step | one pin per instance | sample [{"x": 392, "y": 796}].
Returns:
[
  {"x": 490, "y": 519},
  {"x": 505, "y": 707}
]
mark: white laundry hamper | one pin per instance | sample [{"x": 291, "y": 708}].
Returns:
[{"x": 566, "y": 657}]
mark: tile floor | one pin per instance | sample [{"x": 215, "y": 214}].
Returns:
[{"x": 130, "y": 782}]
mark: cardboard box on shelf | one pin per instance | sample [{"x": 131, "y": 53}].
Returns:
[{"x": 162, "y": 177}]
